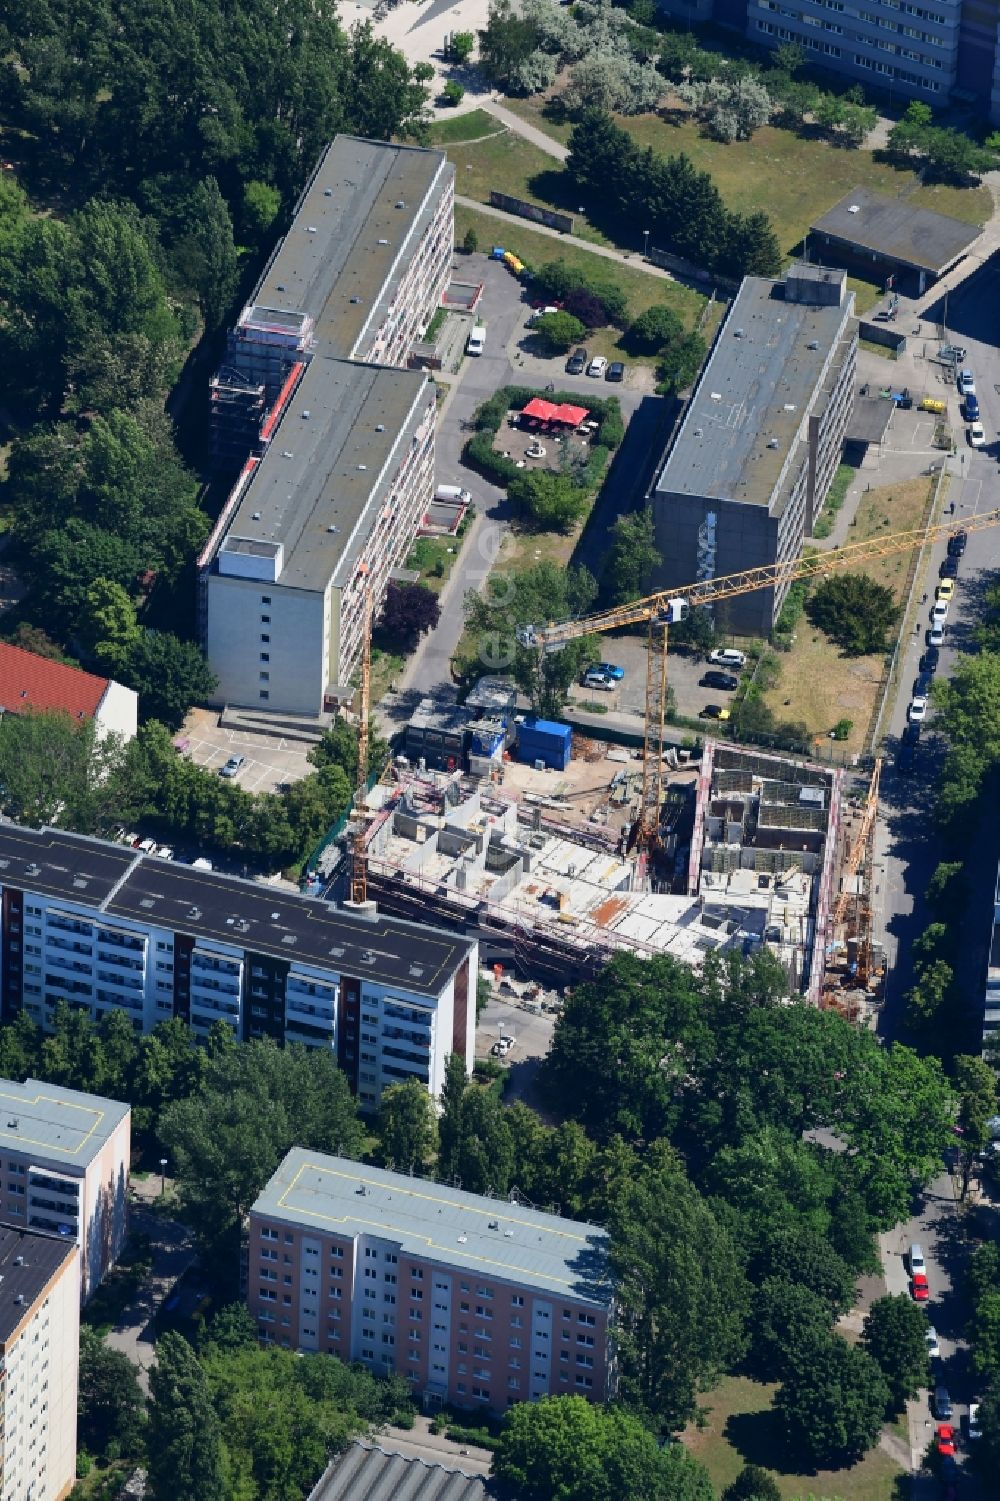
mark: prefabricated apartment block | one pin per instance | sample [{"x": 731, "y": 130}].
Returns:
[
  {"x": 104, "y": 927},
  {"x": 749, "y": 469},
  {"x": 477, "y": 1301},
  {"x": 39, "y": 1365},
  {"x": 65, "y": 1161},
  {"x": 329, "y": 440}
]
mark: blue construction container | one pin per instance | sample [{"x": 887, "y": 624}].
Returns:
[{"x": 544, "y": 740}]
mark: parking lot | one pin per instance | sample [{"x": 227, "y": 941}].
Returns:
[
  {"x": 270, "y": 761},
  {"x": 684, "y": 671}
]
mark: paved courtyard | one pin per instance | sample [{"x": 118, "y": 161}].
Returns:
[{"x": 271, "y": 761}]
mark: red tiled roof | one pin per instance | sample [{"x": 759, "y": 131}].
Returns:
[{"x": 28, "y": 681}]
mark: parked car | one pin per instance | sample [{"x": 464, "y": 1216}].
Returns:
[
  {"x": 942, "y": 1403},
  {"x": 919, "y": 1287},
  {"x": 975, "y": 1427},
  {"x": 713, "y": 711},
  {"x": 611, "y": 670},
  {"x": 945, "y": 590},
  {"x": 541, "y": 312},
  {"x": 904, "y": 760},
  {"x": 599, "y": 680},
  {"x": 971, "y": 408},
  {"x": 724, "y": 680},
  {"x": 232, "y": 767},
  {"x": 917, "y": 712},
  {"x": 910, "y": 735},
  {"x": 966, "y": 383},
  {"x": 728, "y": 656},
  {"x": 935, "y": 636},
  {"x": 615, "y": 371},
  {"x": 577, "y": 362},
  {"x": 597, "y": 366},
  {"x": 948, "y": 569},
  {"x": 930, "y": 659},
  {"x": 933, "y": 1343},
  {"x": 954, "y": 352},
  {"x": 976, "y": 435},
  {"x": 945, "y": 1439},
  {"x": 915, "y": 1258},
  {"x": 939, "y": 611},
  {"x": 957, "y": 543},
  {"x": 922, "y": 684}
]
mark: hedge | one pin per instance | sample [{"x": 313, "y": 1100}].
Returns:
[{"x": 480, "y": 455}]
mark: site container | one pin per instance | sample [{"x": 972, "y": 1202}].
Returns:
[{"x": 544, "y": 740}]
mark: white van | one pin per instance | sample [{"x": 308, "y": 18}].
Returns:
[
  {"x": 477, "y": 340},
  {"x": 454, "y": 493},
  {"x": 916, "y": 1259}
]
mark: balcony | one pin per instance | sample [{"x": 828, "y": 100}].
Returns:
[{"x": 120, "y": 940}]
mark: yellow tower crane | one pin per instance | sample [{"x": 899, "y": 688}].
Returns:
[{"x": 669, "y": 607}]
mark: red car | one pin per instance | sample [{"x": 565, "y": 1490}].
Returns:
[
  {"x": 946, "y": 1439},
  {"x": 919, "y": 1287}
]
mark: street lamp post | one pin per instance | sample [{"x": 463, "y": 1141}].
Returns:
[
  {"x": 163, "y": 1176},
  {"x": 645, "y": 244}
]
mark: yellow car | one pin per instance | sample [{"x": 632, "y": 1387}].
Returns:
[{"x": 945, "y": 589}]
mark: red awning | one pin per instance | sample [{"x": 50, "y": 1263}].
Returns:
[
  {"x": 543, "y": 410},
  {"x": 571, "y": 415},
  {"x": 547, "y": 411}
]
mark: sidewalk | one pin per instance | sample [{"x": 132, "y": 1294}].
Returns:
[
  {"x": 173, "y": 1253},
  {"x": 621, "y": 256},
  {"x": 522, "y": 128}
]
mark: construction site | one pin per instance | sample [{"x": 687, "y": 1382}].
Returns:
[{"x": 540, "y": 865}]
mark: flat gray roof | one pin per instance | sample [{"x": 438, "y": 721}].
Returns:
[
  {"x": 348, "y": 245},
  {"x": 914, "y": 237},
  {"x": 207, "y": 904},
  {"x": 28, "y": 1263},
  {"x": 339, "y": 441},
  {"x": 366, "y": 1473},
  {"x": 869, "y": 420},
  {"x": 748, "y": 407},
  {"x": 447, "y": 718},
  {"x": 434, "y": 1222},
  {"x": 56, "y": 1126}
]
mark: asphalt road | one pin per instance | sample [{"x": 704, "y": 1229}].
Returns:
[{"x": 909, "y": 850}]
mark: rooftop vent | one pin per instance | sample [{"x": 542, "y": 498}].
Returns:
[
  {"x": 462, "y": 1238},
  {"x": 772, "y": 443},
  {"x": 509, "y": 1234},
  {"x": 310, "y": 229},
  {"x": 19, "y": 1261},
  {"x": 194, "y": 913},
  {"x": 148, "y": 902},
  {"x": 400, "y": 203},
  {"x": 699, "y": 432},
  {"x": 286, "y": 453},
  {"x": 494, "y": 1225},
  {"x": 275, "y": 916},
  {"x": 716, "y": 395},
  {"x": 813, "y": 344},
  {"x": 12, "y": 1124},
  {"x": 80, "y": 882},
  {"x": 362, "y": 1190},
  {"x": 289, "y": 938},
  {"x": 280, "y": 286},
  {"x": 380, "y": 427},
  {"x": 383, "y": 242},
  {"x": 362, "y": 466},
  {"x": 355, "y": 299},
  {"x": 32, "y": 869},
  {"x": 256, "y": 516},
  {"x": 327, "y": 192},
  {"x": 367, "y": 957},
  {"x": 737, "y": 333},
  {"x": 789, "y": 406},
  {"x": 307, "y": 413},
  {"x": 333, "y": 528},
  {"x": 416, "y": 970}
]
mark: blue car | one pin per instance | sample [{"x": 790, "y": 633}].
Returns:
[
  {"x": 971, "y": 408},
  {"x": 610, "y": 671}
]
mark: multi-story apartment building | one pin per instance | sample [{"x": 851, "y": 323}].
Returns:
[
  {"x": 751, "y": 464},
  {"x": 476, "y": 1301},
  {"x": 335, "y": 452},
  {"x": 39, "y": 1365},
  {"x": 314, "y": 524},
  {"x": 64, "y": 1164},
  {"x": 107, "y": 928}
]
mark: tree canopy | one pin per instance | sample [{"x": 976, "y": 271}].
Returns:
[{"x": 854, "y": 611}]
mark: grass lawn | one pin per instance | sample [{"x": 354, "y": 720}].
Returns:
[
  {"x": 741, "y": 1429},
  {"x": 464, "y": 128},
  {"x": 795, "y": 178},
  {"x": 510, "y": 164},
  {"x": 822, "y": 684},
  {"x": 641, "y": 289}
]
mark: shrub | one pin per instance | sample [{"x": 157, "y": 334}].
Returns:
[
  {"x": 453, "y": 93},
  {"x": 559, "y": 331},
  {"x": 612, "y": 429},
  {"x": 587, "y": 306},
  {"x": 470, "y": 243},
  {"x": 654, "y": 329}
]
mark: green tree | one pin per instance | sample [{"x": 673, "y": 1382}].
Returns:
[
  {"x": 832, "y": 1403},
  {"x": 654, "y": 329},
  {"x": 470, "y": 241},
  {"x": 261, "y": 206},
  {"x": 558, "y": 331},
  {"x": 988, "y": 1449},
  {"x": 111, "y": 1408},
  {"x": 57, "y": 770},
  {"x": 929, "y": 1000},
  {"x": 753, "y": 1483},
  {"x": 568, "y": 1449},
  {"x": 187, "y": 1459},
  {"x": 854, "y": 611},
  {"x": 976, "y": 1086},
  {"x": 797, "y": 1253},
  {"x": 682, "y": 1294},
  {"x": 632, "y": 556},
  {"x": 109, "y": 628},
  {"x": 786, "y": 1317},
  {"x": 895, "y": 1336},
  {"x": 407, "y": 1126},
  {"x": 485, "y": 1157},
  {"x": 552, "y": 502},
  {"x": 461, "y": 45},
  {"x": 169, "y": 676},
  {"x": 456, "y": 1082}
]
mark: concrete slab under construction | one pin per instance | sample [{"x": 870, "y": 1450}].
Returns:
[{"x": 559, "y": 893}]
